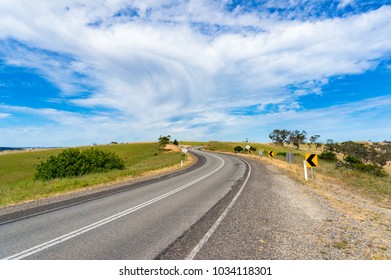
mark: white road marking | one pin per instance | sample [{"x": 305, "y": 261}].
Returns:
[
  {"x": 202, "y": 242},
  {"x": 100, "y": 223}
]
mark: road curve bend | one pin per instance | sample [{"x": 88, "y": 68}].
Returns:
[{"x": 134, "y": 223}]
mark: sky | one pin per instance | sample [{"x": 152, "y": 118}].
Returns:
[{"x": 82, "y": 72}]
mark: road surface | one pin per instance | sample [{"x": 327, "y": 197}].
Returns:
[{"x": 139, "y": 223}]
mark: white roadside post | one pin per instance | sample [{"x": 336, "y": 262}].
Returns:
[
  {"x": 184, "y": 150},
  {"x": 305, "y": 170}
]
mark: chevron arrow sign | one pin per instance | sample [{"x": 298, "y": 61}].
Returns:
[{"x": 311, "y": 160}]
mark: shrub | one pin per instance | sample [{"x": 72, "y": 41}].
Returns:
[
  {"x": 354, "y": 163},
  {"x": 352, "y": 160},
  {"x": 328, "y": 156},
  {"x": 72, "y": 163},
  {"x": 238, "y": 149}
]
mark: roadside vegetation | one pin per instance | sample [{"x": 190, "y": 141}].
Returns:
[
  {"x": 73, "y": 163},
  {"x": 18, "y": 170},
  {"x": 357, "y": 166}
]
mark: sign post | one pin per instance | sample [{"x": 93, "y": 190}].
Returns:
[
  {"x": 289, "y": 157},
  {"x": 311, "y": 161}
]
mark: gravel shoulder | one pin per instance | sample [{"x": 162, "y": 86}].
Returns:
[{"x": 278, "y": 218}]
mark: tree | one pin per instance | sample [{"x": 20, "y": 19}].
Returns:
[
  {"x": 164, "y": 140},
  {"x": 279, "y": 136},
  {"x": 175, "y": 142},
  {"x": 329, "y": 146},
  {"x": 378, "y": 154},
  {"x": 356, "y": 150},
  {"x": 313, "y": 140},
  {"x": 297, "y": 138}
]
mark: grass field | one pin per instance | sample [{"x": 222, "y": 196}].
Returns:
[
  {"x": 376, "y": 188},
  {"x": 17, "y": 171}
]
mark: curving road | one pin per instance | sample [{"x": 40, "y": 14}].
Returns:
[{"x": 138, "y": 223}]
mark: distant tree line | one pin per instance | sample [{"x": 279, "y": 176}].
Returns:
[{"x": 294, "y": 137}]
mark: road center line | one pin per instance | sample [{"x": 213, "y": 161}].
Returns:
[
  {"x": 112, "y": 218},
  {"x": 207, "y": 235}
]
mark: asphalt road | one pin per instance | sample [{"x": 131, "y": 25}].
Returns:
[{"x": 139, "y": 223}]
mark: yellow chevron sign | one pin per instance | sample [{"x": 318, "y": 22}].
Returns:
[
  {"x": 270, "y": 153},
  {"x": 311, "y": 160}
]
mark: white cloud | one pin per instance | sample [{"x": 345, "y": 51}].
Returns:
[
  {"x": 345, "y": 3},
  {"x": 4, "y": 115},
  {"x": 158, "y": 66}
]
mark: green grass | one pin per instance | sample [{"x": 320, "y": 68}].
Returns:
[
  {"x": 17, "y": 171},
  {"x": 193, "y": 143}
]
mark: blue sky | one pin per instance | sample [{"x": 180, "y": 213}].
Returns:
[{"x": 82, "y": 72}]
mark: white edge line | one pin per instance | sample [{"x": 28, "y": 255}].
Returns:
[
  {"x": 202, "y": 242},
  {"x": 102, "y": 222}
]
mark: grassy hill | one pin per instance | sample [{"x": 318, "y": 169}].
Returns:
[{"x": 17, "y": 170}]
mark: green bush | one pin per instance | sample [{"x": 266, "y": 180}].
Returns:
[
  {"x": 72, "y": 163},
  {"x": 253, "y": 149},
  {"x": 328, "y": 156},
  {"x": 354, "y": 163},
  {"x": 352, "y": 160},
  {"x": 238, "y": 149}
]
